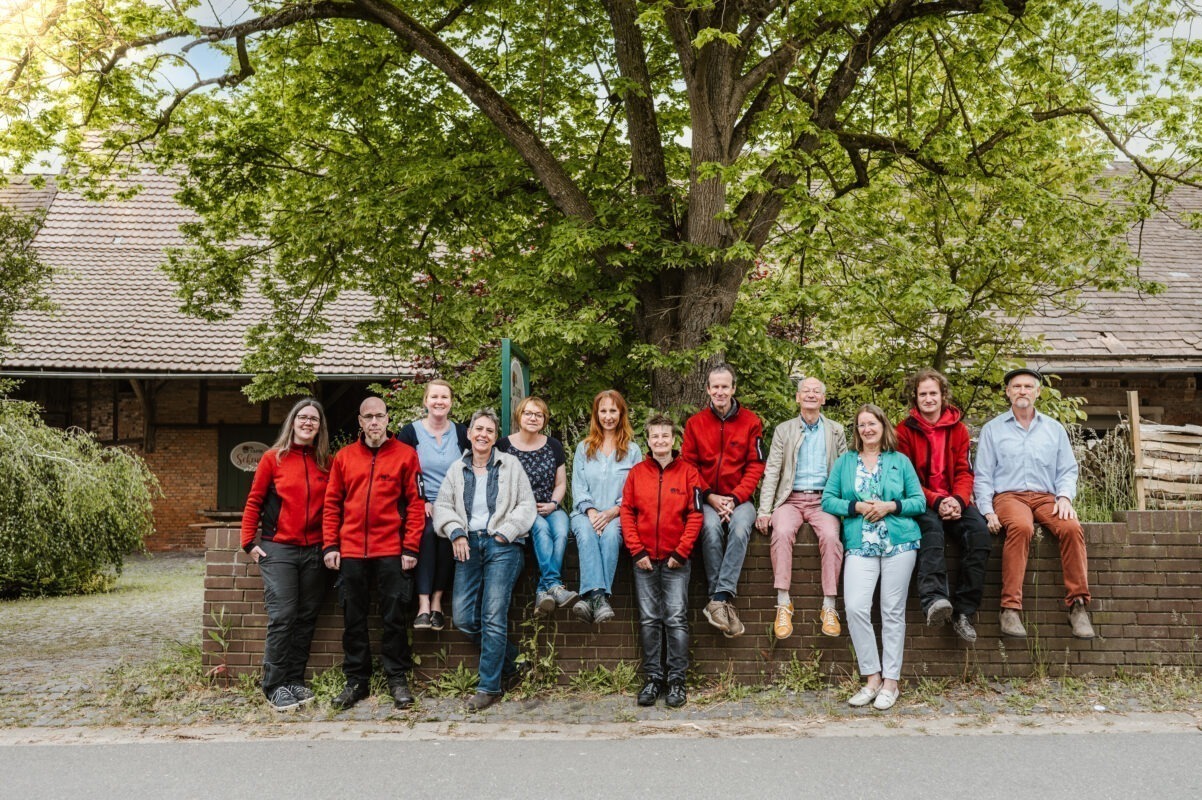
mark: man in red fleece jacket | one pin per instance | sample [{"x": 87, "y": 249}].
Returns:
[
  {"x": 374, "y": 516},
  {"x": 661, "y": 516},
  {"x": 936, "y": 441},
  {"x": 725, "y": 442}
]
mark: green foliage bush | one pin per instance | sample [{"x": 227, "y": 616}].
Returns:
[{"x": 70, "y": 509}]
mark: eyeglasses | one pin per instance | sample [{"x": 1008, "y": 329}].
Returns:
[
  {"x": 533, "y": 414},
  {"x": 373, "y": 417},
  {"x": 307, "y": 418}
]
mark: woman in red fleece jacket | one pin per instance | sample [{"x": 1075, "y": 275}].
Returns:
[
  {"x": 284, "y": 508},
  {"x": 661, "y": 517}
]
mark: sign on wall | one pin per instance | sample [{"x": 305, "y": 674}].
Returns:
[
  {"x": 515, "y": 383},
  {"x": 246, "y": 455}
]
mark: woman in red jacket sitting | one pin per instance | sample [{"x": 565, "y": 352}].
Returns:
[
  {"x": 661, "y": 517},
  {"x": 284, "y": 509}
]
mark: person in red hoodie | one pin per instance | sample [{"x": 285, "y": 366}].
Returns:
[
  {"x": 283, "y": 511},
  {"x": 936, "y": 441},
  {"x": 375, "y": 514},
  {"x": 661, "y": 517},
  {"x": 725, "y": 442}
]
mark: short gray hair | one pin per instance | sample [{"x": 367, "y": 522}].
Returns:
[
  {"x": 805, "y": 378},
  {"x": 486, "y": 412}
]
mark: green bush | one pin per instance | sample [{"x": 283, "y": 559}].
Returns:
[{"x": 70, "y": 509}]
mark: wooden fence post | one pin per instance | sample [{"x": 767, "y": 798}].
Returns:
[{"x": 1136, "y": 450}]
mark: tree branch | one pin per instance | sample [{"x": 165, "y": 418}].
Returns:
[
  {"x": 646, "y": 145},
  {"x": 567, "y": 196}
]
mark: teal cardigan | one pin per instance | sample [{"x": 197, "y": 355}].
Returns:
[{"x": 899, "y": 483}]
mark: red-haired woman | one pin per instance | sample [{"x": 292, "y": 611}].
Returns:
[
  {"x": 599, "y": 469},
  {"x": 284, "y": 508}
]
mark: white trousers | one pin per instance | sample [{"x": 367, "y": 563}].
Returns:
[{"x": 860, "y": 577}]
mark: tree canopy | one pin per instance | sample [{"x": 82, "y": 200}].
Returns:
[{"x": 632, "y": 190}]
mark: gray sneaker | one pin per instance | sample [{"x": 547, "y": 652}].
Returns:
[
  {"x": 564, "y": 597},
  {"x": 583, "y": 611},
  {"x": 544, "y": 604},
  {"x": 939, "y": 612},
  {"x": 281, "y": 699},
  {"x": 302, "y": 693},
  {"x": 602, "y": 610},
  {"x": 962, "y": 626}
]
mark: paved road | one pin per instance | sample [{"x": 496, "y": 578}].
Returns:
[{"x": 1014, "y": 767}]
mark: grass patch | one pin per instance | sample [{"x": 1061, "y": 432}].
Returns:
[{"x": 600, "y": 680}]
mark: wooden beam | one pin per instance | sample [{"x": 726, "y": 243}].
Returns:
[
  {"x": 1141, "y": 501},
  {"x": 145, "y": 391}
]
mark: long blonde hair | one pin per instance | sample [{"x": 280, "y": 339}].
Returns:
[
  {"x": 321, "y": 443},
  {"x": 596, "y": 436}
]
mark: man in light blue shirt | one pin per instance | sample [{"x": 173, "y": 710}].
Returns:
[{"x": 1026, "y": 473}]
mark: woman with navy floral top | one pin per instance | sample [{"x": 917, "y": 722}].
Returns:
[
  {"x": 876, "y": 491},
  {"x": 543, "y": 460}
]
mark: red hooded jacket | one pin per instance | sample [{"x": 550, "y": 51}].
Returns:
[
  {"x": 286, "y": 497},
  {"x": 913, "y": 443},
  {"x": 728, "y": 453},
  {"x": 375, "y": 504},
  {"x": 661, "y": 510}
]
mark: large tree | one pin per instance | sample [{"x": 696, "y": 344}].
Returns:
[{"x": 604, "y": 181}]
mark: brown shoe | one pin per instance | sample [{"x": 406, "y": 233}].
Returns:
[
  {"x": 783, "y": 625},
  {"x": 830, "y": 622},
  {"x": 715, "y": 614},
  {"x": 736, "y": 625},
  {"x": 1078, "y": 618},
  {"x": 1012, "y": 623}
]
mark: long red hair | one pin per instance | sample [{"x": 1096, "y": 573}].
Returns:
[{"x": 596, "y": 435}]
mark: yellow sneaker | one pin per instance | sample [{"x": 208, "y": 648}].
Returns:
[
  {"x": 830, "y": 622},
  {"x": 783, "y": 626}
]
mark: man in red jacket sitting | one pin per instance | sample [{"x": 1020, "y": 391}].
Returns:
[
  {"x": 725, "y": 442},
  {"x": 661, "y": 516},
  {"x": 936, "y": 441},
  {"x": 374, "y": 516}
]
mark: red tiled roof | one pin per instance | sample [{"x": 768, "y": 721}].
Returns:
[{"x": 117, "y": 311}]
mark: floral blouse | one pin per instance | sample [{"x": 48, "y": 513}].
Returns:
[{"x": 875, "y": 542}]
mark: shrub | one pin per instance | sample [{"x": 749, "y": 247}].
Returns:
[
  {"x": 1104, "y": 482},
  {"x": 70, "y": 509}
]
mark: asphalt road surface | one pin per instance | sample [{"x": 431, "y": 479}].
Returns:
[{"x": 980, "y": 767}]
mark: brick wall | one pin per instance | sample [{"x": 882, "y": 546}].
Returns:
[
  {"x": 1171, "y": 399},
  {"x": 1144, "y": 574},
  {"x": 185, "y": 454}
]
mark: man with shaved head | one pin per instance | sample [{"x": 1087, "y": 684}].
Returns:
[{"x": 375, "y": 514}]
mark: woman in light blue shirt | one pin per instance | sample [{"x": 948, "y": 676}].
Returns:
[{"x": 599, "y": 471}]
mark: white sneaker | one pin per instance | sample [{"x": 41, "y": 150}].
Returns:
[
  {"x": 863, "y": 697},
  {"x": 885, "y": 700}
]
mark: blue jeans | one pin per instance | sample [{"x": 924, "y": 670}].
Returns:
[
  {"x": 294, "y": 583},
  {"x": 483, "y": 590},
  {"x": 550, "y": 535},
  {"x": 598, "y": 554},
  {"x": 663, "y": 599},
  {"x": 724, "y": 546}
]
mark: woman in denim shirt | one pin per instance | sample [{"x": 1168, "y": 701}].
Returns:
[
  {"x": 876, "y": 491},
  {"x": 599, "y": 472}
]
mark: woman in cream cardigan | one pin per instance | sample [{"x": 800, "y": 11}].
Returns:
[
  {"x": 485, "y": 507},
  {"x": 876, "y": 491}
]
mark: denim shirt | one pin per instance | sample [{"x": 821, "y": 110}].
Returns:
[{"x": 597, "y": 482}]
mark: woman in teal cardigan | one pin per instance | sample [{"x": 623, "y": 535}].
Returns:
[{"x": 875, "y": 490}]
